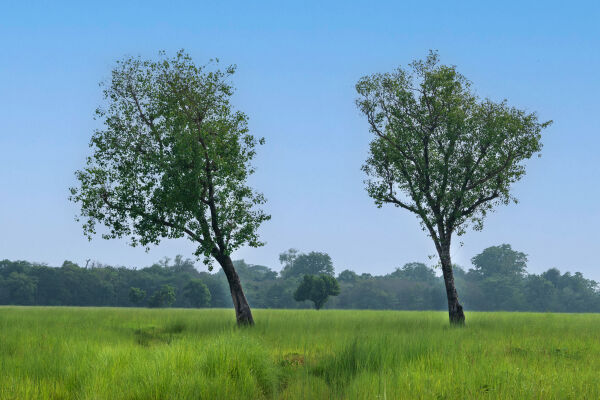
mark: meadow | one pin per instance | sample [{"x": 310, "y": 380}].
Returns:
[{"x": 125, "y": 353}]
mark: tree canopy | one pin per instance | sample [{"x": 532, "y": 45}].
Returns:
[
  {"x": 500, "y": 260},
  {"x": 439, "y": 151},
  {"x": 172, "y": 159},
  {"x": 297, "y": 264}
]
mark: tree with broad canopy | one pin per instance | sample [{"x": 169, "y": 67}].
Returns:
[
  {"x": 172, "y": 160},
  {"x": 442, "y": 153}
]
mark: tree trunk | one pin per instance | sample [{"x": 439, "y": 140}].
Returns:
[
  {"x": 455, "y": 310},
  {"x": 243, "y": 313}
]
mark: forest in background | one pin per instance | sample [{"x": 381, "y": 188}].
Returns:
[{"x": 498, "y": 280}]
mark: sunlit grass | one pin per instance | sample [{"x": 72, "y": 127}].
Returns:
[{"x": 114, "y": 353}]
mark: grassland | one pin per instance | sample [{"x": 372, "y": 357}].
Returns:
[{"x": 110, "y": 353}]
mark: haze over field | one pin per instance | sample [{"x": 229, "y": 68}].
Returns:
[{"x": 297, "y": 66}]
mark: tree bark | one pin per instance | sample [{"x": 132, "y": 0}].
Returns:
[
  {"x": 243, "y": 314},
  {"x": 455, "y": 310}
]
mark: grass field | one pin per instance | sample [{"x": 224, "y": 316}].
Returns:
[{"x": 111, "y": 353}]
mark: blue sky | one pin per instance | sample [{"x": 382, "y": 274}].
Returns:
[{"x": 297, "y": 66}]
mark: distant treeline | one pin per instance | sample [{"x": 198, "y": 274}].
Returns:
[{"x": 497, "y": 281}]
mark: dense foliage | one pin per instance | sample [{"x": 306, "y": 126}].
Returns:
[
  {"x": 497, "y": 281},
  {"x": 171, "y": 160},
  {"x": 317, "y": 288},
  {"x": 163, "y": 297}
]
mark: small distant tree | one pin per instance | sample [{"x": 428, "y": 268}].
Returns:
[
  {"x": 347, "y": 276},
  {"x": 441, "y": 153},
  {"x": 317, "y": 288},
  {"x": 136, "y": 295},
  {"x": 298, "y": 264},
  {"x": 499, "y": 272},
  {"x": 500, "y": 260},
  {"x": 163, "y": 297},
  {"x": 197, "y": 293}
]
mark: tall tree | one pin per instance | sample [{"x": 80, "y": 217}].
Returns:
[
  {"x": 442, "y": 153},
  {"x": 172, "y": 161}
]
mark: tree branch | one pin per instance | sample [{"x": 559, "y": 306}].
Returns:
[
  {"x": 148, "y": 121},
  {"x": 152, "y": 218},
  {"x": 493, "y": 174},
  {"x": 466, "y": 212}
]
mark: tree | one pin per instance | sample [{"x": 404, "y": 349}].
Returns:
[
  {"x": 298, "y": 264},
  {"x": 317, "y": 288},
  {"x": 414, "y": 271},
  {"x": 163, "y": 297},
  {"x": 499, "y": 270},
  {"x": 442, "y": 153},
  {"x": 347, "y": 276},
  {"x": 500, "y": 260},
  {"x": 136, "y": 295},
  {"x": 172, "y": 161},
  {"x": 197, "y": 293}
]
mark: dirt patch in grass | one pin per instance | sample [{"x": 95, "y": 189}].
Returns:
[{"x": 153, "y": 335}]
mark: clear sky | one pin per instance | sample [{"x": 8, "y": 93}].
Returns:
[{"x": 297, "y": 66}]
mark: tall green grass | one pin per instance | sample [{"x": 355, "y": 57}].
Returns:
[{"x": 116, "y": 353}]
